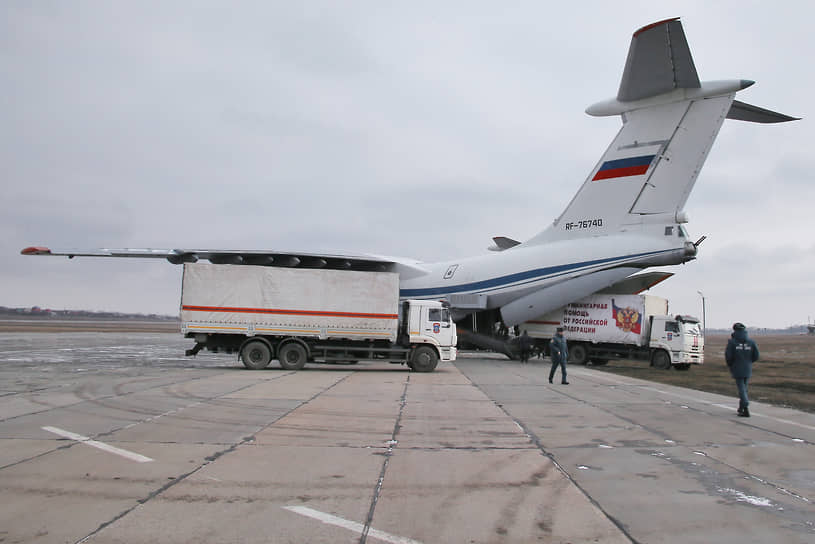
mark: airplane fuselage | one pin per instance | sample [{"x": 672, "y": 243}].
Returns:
[{"x": 497, "y": 279}]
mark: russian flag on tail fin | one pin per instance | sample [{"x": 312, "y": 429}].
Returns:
[{"x": 621, "y": 168}]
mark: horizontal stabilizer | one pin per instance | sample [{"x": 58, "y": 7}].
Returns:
[
  {"x": 747, "y": 112},
  {"x": 502, "y": 243},
  {"x": 659, "y": 61}
]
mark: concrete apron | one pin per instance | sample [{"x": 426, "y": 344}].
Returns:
[{"x": 396, "y": 456}]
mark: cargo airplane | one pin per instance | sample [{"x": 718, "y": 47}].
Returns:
[{"x": 628, "y": 214}]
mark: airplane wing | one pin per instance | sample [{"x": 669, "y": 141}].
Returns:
[{"x": 248, "y": 257}]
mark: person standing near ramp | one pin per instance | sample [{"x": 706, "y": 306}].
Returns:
[
  {"x": 740, "y": 354},
  {"x": 560, "y": 354},
  {"x": 525, "y": 343}
]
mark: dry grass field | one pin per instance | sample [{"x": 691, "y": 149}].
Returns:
[{"x": 784, "y": 376}]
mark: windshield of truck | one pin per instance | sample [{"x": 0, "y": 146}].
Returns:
[
  {"x": 693, "y": 329},
  {"x": 439, "y": 314}
]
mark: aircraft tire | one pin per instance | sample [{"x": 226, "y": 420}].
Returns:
[
  {"x": 424, "y": 359},
  {"x": 292, "y": 356},
  {"x": 256, "y": 354}
]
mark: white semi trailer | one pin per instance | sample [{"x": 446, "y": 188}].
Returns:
[
  {"x": 299, "y": 315},
  {"x": 600, "y": 328}
]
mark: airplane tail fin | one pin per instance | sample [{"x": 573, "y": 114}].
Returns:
[{"x": 670, "y": 121}]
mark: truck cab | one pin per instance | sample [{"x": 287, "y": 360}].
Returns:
[
  {"x": 680, "y": 337},
  {"x": 429, "y": 322}
]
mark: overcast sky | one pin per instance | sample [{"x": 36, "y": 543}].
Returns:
[{"x": 420, "y": 130}]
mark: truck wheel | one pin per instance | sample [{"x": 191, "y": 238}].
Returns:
[
  {"x": 292, "y": 356},
  {"x": 256, "y": 354},
  {"x": 578, "y": 354},
  {"x": 424, "y": 359},
  {"x": 661, "y": 360}
]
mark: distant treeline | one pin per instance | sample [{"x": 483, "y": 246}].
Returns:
[
  {"x": 36, "y": 312},
  {"x": 795, "y": 329}
]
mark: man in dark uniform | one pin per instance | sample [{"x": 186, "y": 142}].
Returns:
[
  {"x": 740, "y": 354},
  {"x": 525, "y": 343},
  {"x": 560, "y": 354}
]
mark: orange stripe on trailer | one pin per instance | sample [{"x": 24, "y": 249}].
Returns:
[
  {"x": 287, "y": 330},
  {"x": 314, "y": 313},
  {"x": 218, "y": 328},
  {"x": 366, "y": 333}
]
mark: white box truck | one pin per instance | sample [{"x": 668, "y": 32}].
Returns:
[
  {"x": 311, "y": 315},
  {"x": 599, "y": 328}
]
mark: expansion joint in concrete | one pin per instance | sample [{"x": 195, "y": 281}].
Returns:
[
  {"x": 539, "y": 445},
  {"x": 391, "y": 445}
]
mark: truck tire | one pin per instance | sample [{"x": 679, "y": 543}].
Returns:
[
  {"x": 661, "y": 360},
  {"x": 578, "y": 354},
  {"x": 424, "y": 359},
  {"x": 256, "y": 354},
  {"x": 292, "y": 356}
]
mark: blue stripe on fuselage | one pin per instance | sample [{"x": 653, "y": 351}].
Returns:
[{"x": 505, "y": 281}]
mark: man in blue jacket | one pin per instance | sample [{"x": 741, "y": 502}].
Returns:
[
  {"x": 740, "y": 354},
  {"x": 560, "y": 354}
]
